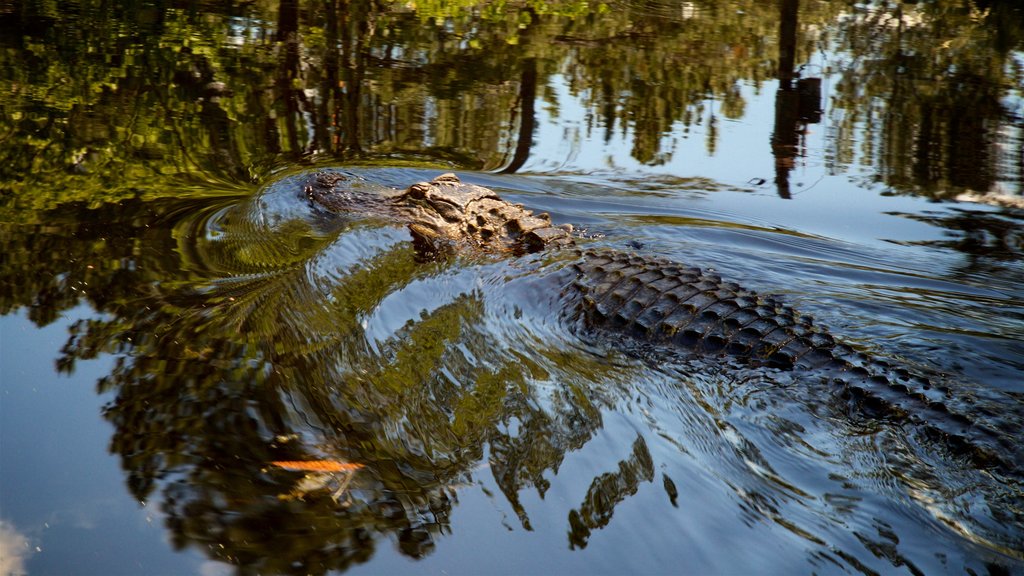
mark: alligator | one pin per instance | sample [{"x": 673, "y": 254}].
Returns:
[{"x": 666, "y": 303}]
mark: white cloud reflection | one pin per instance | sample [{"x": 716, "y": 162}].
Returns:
[{"x": 14, "y": 550}]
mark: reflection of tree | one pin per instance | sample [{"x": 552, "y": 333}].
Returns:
[
  {"x": 652, "y": 72},
  {"x": 608, "y": 490},
  {"x": 233, "y": 92},
  {"x": 795, "y": 106},
  {"x": 527, "y": 116},
  {"x": 219, "y": 373},
  {"x": 419, "y": 416},
  {"x": 925, "y": 89},
  {"x": 223, "y": 93},
  {"x": 100, "y": 257},
  {"x": 205, "y": 426},
  {"x": 992, "y": 243},
  {"x": 244, "y": 347}
]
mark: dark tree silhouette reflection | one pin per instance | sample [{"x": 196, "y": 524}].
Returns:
[{"x": 224, "y": 365}]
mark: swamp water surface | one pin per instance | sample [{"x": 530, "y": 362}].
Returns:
[{"x": 177, "y": 317}]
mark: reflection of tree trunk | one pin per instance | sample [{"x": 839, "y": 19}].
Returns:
[
  {"x": 785, "y": 137},
  {"x": 287, "y": 20},
  {"x": 354, "y": 28},
  {"x": 1020, "y": 163},
  {"x": 218, "y": 127},
  {"x": 972, "y": 111},
  {"x": 329, "y": 89},
  {"x": 608, "y": 98},
  {"x": 528, "y": 120},
  {"x": 215, "y": 120},
  {"x": 288, "y": 34},
  {"x": 787, "y": 40}
]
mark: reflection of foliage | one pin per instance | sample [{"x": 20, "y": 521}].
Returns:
[
  {"x": 686, "y": 59},
  {"x": 112, "y": 106},
  {"x": 992, "y": 243},
  {"x": 608, "y": 490},
  {"x": 106, "y": 257},
  {"x": 443, "y": 10},
  {"x": 925, "y": 87},
  {"x": 227, "y": 361},
  {"x": 218, "y": 374},
  {"x": 136, "y": 101}
]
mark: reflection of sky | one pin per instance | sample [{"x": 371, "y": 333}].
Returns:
[
  {"x": 1015, "y": 98},
  {"x": 831, "y": 202},
  {"x": 247, "y": 31},
  {"x": 61, "y": 490},
  {"x": 1011, "y": 171},
  {"x": 742, "y": 148},
  {"x": 570, "y": 139},
  {"x": 564, "y": 143}
]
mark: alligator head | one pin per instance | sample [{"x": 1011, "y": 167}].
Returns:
[{"x": 446, "y": 212}]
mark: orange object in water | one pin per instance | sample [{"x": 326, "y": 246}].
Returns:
[{"x": 318, "y": 465}]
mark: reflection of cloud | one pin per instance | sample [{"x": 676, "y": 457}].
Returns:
[
  {"x": 211, "y": 568},
  {"x": 13, "y": 550}
]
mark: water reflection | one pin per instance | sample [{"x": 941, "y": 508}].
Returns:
[
  {"x": 252, "y": 332},
  {"x": 14, "y": 549},
  {"x": 608, "y": 490},
  {"x": 796, "y": 105},
  {"x": 222, "y": 369},
  {"x": 938, "y": 116},
  {"x": 924, "y": 96},
  {"x": 255, "y": 331},
  {"x": 989, "y": 240}
]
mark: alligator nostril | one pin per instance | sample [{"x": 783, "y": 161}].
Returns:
[{"x": 447, "y": 177}]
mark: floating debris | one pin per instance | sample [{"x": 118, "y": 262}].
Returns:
[
  {"x": 318, "y": 466},
  {"x": 332, "y": 475}
]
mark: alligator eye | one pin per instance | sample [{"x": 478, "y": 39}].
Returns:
[{"x": 419, "y": 190}]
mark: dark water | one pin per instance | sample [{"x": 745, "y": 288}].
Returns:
[{"x": 175, "y": 317}]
